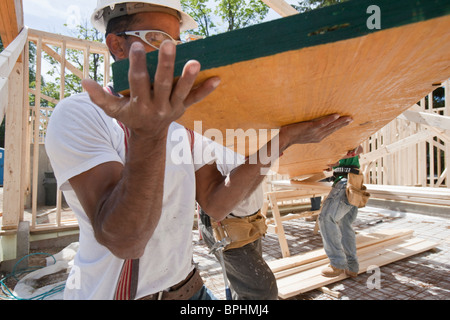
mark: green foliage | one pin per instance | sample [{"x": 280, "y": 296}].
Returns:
[
  {"x": 201, "y": 13},
  {"x": 228, "y": 14},
  {"x": 241, "y": 13},
  {"x": 308, "y": 5},
  {"x": 75, "y": 57}
]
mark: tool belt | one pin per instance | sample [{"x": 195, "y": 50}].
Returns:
[
  {"x": 356, "y": 191},
  {"x": 181, "y": 291},
  {"x": 241, "y": 230}
]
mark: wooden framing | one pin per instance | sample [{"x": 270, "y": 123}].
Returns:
[
  {"x": 275, "y": 224},
  {"x": 403, "y": 153},
  {"x": 12, "y": 77},
  {"x": 21, "y": 130},
  {"x": 13, "y": 74},
  {"x": 47, "y": 42}
]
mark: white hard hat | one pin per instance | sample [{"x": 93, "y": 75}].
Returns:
[{"x": 109, "y": 9}]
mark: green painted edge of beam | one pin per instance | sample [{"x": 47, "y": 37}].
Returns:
[{"x": 326, "y": 25}]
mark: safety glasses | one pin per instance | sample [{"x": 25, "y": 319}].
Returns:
[{"x": 153, "y": 38}]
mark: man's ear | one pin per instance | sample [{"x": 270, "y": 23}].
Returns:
[{"x": 118, "y": 46}]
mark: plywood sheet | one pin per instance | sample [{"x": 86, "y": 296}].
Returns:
[{"x": 308, "y": 65}]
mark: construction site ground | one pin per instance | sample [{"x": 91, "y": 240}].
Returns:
[{"x": 424, "y": 276}]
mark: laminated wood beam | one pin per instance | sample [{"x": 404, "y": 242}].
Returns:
[
  {"x": 11, "y": 20},
  {"x": 8, "y": 59},
  {"x": 308, "y": 65},
  {"x": 281, "y": 7},
  {"x": 9, "y": 56}
]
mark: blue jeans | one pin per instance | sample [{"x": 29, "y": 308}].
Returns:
[
  {"x": 249, "y": 275},
  {"x": 335, "y": 222},
  {"x": 203, "y": 294}
]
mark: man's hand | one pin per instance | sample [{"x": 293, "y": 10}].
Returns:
[
  {"x": 313, "y": 131},
  {"x": 151, "y": 109}
]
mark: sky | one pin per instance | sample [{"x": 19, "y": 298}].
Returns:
[{"x": 51, "y": 15}]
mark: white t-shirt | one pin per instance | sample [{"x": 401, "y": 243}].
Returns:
[
  {"x": 81, "y": 136},
  {"x": 226, "y": 161}
]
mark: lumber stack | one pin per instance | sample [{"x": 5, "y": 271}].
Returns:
[
  {"x": 435, "y": 196},
  {"x": 302, "y": 273}
]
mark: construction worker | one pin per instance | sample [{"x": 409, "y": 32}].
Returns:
[
  {"x": 336, "y": 218},
  {"x": 249, "y": 275},
  {"x": 113, "y": 159}
]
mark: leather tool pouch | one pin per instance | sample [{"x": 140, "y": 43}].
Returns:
[
  {"x": 356, "y": 191},
  {"x": 241, "y": 231}
]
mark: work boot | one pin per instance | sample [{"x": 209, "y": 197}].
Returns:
[
  {"x": 351, "y": 273},
  {"x": 331, "y": 271}
]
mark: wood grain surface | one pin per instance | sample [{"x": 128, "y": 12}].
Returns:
[{"x": 370, "y": 75}]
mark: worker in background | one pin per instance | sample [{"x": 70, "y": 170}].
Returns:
[
  {"x": 247, "y": 271},
  {"x": 336, "y": 218},
  {"x": 113, "y": 159}
]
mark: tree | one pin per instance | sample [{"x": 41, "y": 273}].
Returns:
[
  {"x": 241, "y": 13},
  {"x": 76, "y": 57},
  {"x": 308, "y": 5},
  {"x": 201, "y": 13},
  {"x": 226, "y": 15}
]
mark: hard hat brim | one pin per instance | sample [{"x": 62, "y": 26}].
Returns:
[{"x": 99, "y": 23}]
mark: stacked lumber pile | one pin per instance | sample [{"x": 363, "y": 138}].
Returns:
[
  {"x": 427, "y": 195},
  {"x": 302, "y": 273}
]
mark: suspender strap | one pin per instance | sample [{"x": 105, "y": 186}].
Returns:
[
  {"x": 127, "y": 283},
  {"x": 128, "y": 280}
]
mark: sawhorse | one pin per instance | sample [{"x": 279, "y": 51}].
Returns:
[{"x": 292, "y": 190}]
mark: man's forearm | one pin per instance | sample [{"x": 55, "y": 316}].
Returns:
[
  {"x": 243, "y": 180},
  {"x": 130, "y": 213},
  {"x": 221, "y": 198}
]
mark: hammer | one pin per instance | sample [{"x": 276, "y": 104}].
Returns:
[{"x": 218, "y": 248}]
